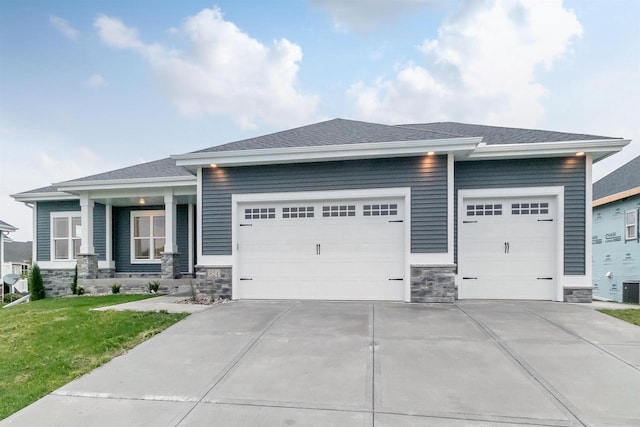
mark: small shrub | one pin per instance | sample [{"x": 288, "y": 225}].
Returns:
[
  {"x": 115, "y": 288},
  {"x": 194, "y": 296},
  {"x": 74, "y": 283},
  {"x": 36, "y": 284},
  {"x": 154, "y": 286},
  {"x": 80, "y": 290},
  {"x": 8, "y": 298}
]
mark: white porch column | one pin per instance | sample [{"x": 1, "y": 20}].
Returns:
[
  {"x": 108, "y": 212},
  {"x": 86, "y": 216},
  {"x": 170, "y": 223}
]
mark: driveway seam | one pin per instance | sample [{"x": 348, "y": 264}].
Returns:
[
  {"x": 236, "y": 360},
  {"x": 561, "y": 401},
  {"x": 571, "y": 332}
]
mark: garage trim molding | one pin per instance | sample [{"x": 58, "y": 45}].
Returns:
[
  {"x": 402, "y": 192},
  {"x": 556, "y": 191}
]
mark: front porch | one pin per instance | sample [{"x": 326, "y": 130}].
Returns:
[{"x": 141, "y": 285}]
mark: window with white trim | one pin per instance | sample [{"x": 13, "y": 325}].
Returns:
[
  {"x": 297, "y": 212},
  {"x": 383, "y": 209},
  {"x": 338, "y": 210},
  {"x": 66, "y": 234},
  {"x": 631, "y": 225},
  {"x": 260, "y": 213},
  {"x": 147, "y": 236}
]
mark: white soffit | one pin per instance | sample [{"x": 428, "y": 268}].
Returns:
[{"x": 598, "y": 149}]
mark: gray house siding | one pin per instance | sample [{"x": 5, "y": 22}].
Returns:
[
  {"x": 122, "y": 239},
  {"x": 43, "y": 224},
  {"x": 569, "y": 172},
  {"x": 427, "y": 177}
]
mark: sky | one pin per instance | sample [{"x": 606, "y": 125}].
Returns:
[{"x": 87, "y": 87}]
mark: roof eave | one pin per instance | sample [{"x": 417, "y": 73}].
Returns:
[
  {"x": 42, "y": 197},
  {"x": 597, "y": 149},
  {"x": 326, "y": 153},
  {"x": 117, "y": 184}
]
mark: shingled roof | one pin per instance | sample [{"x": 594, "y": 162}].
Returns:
[
  {"x": 6, "y": 227},
  {"x": 503, "y": 135},
  {"x": 626, "y": 177},
  {"x": 162, "y": 168},
  {"x": 332, "y": 132}
]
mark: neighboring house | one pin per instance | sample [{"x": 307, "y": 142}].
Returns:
[
  {"x": 616, "y": 235},
  {"x": 17, "y": 257},
  {"x": 5, "y": 229},
  {"x": 340, "y": 210}
]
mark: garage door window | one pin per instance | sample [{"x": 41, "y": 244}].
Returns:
[
  {"x": 529, "y": 208},
  {"x": 338, "y": 210},
  {"x": 380, "y": 210},
  {"x": 260, "y": 213},
  {"x": 484, "y": 210},
  {"x": 298, "y": 212}
]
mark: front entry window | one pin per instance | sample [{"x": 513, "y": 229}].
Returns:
[
  {"x": 66, "y": 233},
  {"x": 148, "y": 236}
]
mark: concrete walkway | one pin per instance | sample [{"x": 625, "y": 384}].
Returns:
[{"x": 293, "y": 363}]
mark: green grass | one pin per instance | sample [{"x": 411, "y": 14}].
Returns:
[
  {"x": 45, "y": 344},
  {"x": 631, "y": 315}
]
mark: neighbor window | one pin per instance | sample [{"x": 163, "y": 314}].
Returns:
[
  {"x": 631, "y": 225},
  {"x": 66, "y": 232},
  {"x": 147, "y": 236}
]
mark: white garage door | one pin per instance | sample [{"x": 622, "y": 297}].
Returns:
[
  {"x": 507, "y": 248},
  {"x": 331, "y": 250}
]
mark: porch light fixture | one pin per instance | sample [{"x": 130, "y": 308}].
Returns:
[
  {"x": 141, "y": 201},
  {"x": 580, "y": 153},
  {"x": 430, "y": 153},
  {"x": 213, "y": 165}
]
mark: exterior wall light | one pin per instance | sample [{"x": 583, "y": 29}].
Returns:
[
  {"x": 141, "y": 201},
  {"x": 430, "y": 153},
  {"x": 213, "y": 165},
  {"x": 581, "y": 153}
]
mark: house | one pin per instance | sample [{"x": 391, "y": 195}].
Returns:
[
  {"x": 17, "y": 257},
  {"x": 616, "y": 238},
  {"x": 340, "y": 210},
  {"x": 5, "y": 229}
]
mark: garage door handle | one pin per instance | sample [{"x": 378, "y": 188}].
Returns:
[
  {"x": 545, "y": 278},
  {"x": 317, "y": 248},
  {"x": 246, "y": 225},
  {"x": 397, "y": 279},
  {"x": 396, "y": 220},
  {"x": 469, "y": 222},
  {"x": 470, "y": 278},
  {"x": 506, "y": 247},
  {"x": 545, "y": 220},
  {"x": 246, "y": 278}
]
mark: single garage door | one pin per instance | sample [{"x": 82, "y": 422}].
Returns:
[
  {"x": 507, "y": 248},
  {"x": 327, "y": 250}
]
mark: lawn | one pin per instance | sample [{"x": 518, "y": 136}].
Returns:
[
  {"x": 631, "y": 315},
  {"x": 45, "y": 344}
]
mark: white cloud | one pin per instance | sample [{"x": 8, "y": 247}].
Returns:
[
  {"x": 63, "y": 27},
  {"x": 224, "y": 71},
  {"x": 365, "y": 15},
  {"x": 481, "y": 68},
  {"x": 95, "y": 81}
]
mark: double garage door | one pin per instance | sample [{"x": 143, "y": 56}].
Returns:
[
  {"x": 327, "y": 249},
  {"x": 507, "y": 248}
]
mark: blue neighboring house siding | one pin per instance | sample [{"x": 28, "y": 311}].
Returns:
[
  {"x": 122, "y": 239},
  {"x": 611, "y": 251},
  {"x": 569, "y": 172},
  {"x": 427, "y": 177},
  {"x": 43, "y": 224}
]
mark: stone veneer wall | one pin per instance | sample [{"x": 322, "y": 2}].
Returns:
[
  {"x": 87, "y": 266},
  {"x": 214, "y": 279},
  {"x": 433, "y": 283},
  {"x": 170, "y": 265},
  {"x": 57, "y": 282},
  {"x": 580, "y": 295}
]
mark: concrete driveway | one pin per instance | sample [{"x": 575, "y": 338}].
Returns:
[{"x": 364, "y": 364}]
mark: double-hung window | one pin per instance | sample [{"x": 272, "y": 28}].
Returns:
[
  {"x": 631, "y": 224},
  {"x": 66, "y": 234},
  {"x": 147, "y": 236}
]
